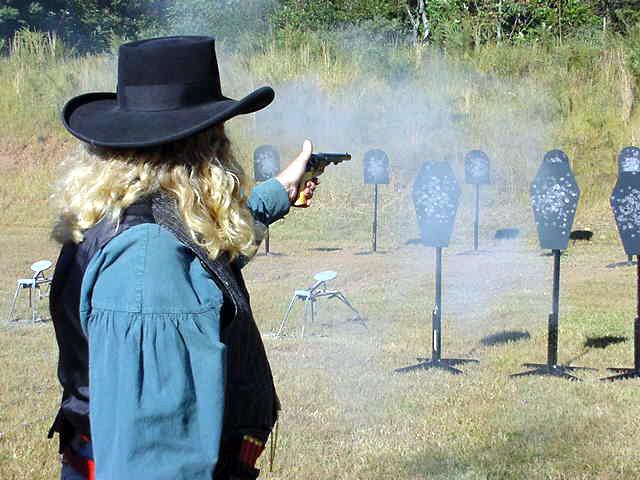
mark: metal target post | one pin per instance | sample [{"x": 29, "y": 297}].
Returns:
[
  {"x": 477, "y": 172},
  {"x": 436, "y": 315},
  {"x": 625, "y": 203},
  {"x": 266, "y": 165},
  {"x": 552, "y": 344},
  {"x": 476, "y": 223},
  {"x": 267, "y": 250},
  {"x": 630, "y": 373},
  {"x": 554, "y": 197},
  {"x": 376, "y": 172},
  {"x": 375, "y": 218},
  {"x": 436, "y": 194}
]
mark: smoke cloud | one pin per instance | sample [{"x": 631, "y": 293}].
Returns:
[{"x": 416, "y": 106}]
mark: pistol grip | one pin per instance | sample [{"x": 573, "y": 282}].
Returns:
[{"x": 301, "y": 201}]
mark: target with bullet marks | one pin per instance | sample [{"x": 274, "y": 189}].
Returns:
[
  {"x": 376, "y": 167},
  {"x": 476, "y": 167},
  {"x": 266, "y": 162},
  {"x": 554, "y": 198},
  {"x": 436, "y": 195},
  {"x": 625, "y": 200},
  {"x": 629, "y": 161}
]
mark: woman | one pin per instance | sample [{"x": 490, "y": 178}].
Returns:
[{"x": 152, "y": 317}]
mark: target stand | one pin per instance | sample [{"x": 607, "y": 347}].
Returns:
[
  {"x": 625, "y": 203},
  {"x": 477, "y": 169},
  {"x": 376, "y": 172},
  {"x": 436, "y": 194},
  {"x": 554, "y": 198},
  {"x": 476, "y": 228},
  {"x": 436, "y": 360},
  {"x": 552, "y": 368},
  {"x": 630, "y": 373},
  {"x": 266, "y": 165},
  {"x": 267, "y": 246}
]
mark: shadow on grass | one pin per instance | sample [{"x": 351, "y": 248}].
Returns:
[
  {"x": 414, "y": 241},
  {"x": 604, "y": 341},
  {"x": 271, "y": 254},
  {"x": 597, "y": 342},
  {"x": 506, "y": 336},
  {"x": 622, "y": 264},
  {"x": 326, "y": 249},
  {"x": 476, "y": 252}
]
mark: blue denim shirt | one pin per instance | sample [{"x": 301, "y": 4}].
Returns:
[{"x": 151, "y": 313}]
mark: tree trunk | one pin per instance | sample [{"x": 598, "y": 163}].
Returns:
[
  {"x": 421, "y": 28},
  {"x": 499, "y": 23},
  {"x": 426, "y": 27}
]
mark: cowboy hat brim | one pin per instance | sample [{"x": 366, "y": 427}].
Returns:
[{"x": 96, "y": 118}]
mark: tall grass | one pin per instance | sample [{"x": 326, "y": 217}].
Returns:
[
  {"x": 36, "y": 77},
  {"x": 588, "y": 86}
]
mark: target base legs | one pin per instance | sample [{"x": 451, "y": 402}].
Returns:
[
  {"x": 436, "y": 360},
  {"x": 551, "y": 368},
  {"x": 543, "y": 369},
  {"x": 629, "y": 373},
  {"x": 446, "y": 364}
]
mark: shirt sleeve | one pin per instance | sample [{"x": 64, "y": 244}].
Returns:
[
  {"x": 156, "y": 363},
  {"x": 269, "y": 202}
]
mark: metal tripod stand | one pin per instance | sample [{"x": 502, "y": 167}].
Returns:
[{"x": 311, "y": 295}]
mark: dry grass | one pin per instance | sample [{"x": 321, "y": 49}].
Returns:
[{"x": 346, "y": 415}]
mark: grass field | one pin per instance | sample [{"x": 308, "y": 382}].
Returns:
[{"x": 346, "y": 415}]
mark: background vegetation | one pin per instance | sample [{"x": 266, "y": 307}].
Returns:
[
  {"x": 93, "y": 24},
  {"x": 571, "y": 66}
]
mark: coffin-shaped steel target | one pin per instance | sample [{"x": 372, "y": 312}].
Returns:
[
  {"x": 376, "y": 167},
  {"x": 266, "y": 162},
  {"x": 436, "y": 195},
  {"x": 554, "y": 198},
  {"x": 477, "y": 168},
  {"x": 625, "y": 199}
]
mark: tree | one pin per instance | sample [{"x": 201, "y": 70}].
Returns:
[
  {"x": 618, "y": 15},
  {"x": 84, "y": 24}
]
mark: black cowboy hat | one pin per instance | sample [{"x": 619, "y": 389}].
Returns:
[{"x": 168, "y": 89}]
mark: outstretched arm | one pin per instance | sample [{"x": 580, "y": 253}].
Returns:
[{"x": 271, "y": 200}]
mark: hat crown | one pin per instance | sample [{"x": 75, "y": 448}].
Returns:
[
  {"x": 167, "y": 73},
  {"x": 168, "y": 89}
]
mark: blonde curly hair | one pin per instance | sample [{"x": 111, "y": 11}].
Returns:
[{"x": 200, "y": 171}]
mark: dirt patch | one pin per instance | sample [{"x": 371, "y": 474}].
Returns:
[{"x": 42, "y": 151}]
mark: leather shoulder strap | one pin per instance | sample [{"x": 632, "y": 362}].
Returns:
[{"x": 166, "y": 214}]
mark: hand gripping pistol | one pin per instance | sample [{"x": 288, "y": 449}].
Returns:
[{"x": 315, "y": 167}]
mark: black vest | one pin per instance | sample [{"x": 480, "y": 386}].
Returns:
[{"x": 251, "y": 403}]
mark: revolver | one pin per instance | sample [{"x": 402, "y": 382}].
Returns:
[{"x": 315, "y": 167}]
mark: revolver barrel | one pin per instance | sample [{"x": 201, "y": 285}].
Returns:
[{"x": 323, "y": 159}]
